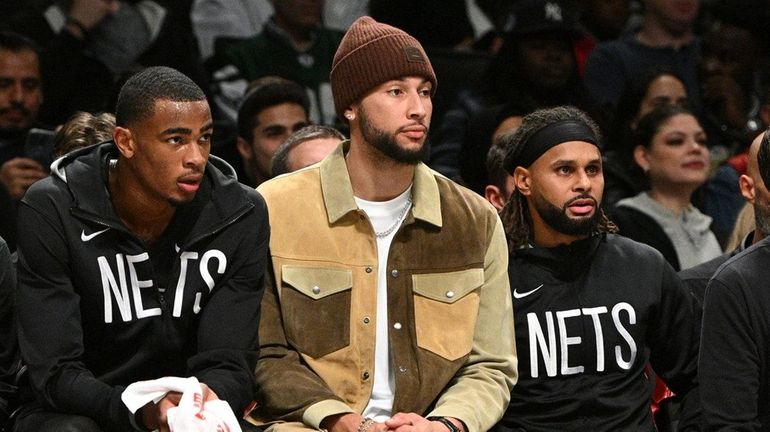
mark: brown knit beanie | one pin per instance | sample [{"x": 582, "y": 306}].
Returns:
[{"x": 370, "y": 54}]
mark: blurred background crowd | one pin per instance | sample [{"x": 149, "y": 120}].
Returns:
[{"x": 265, "y": 65}]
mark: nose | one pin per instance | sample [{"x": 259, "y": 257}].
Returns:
[
  {"x": 697, "y": 147},
  {"x": 419, "y": 106},
  {"x": 195, "y": 157},
  {"x": 582, "y": 182},
  {"x": 17, "y": 92}
]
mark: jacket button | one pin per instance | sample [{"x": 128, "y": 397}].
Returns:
[
  {"x": 368, "y": 269},
  {"x": 366, "y": 320},
  {"x": 450, "y": 294},
  {"x": 402, "y": 369},
  {"x": 316, "y": 290},
  {"x": 397, "y": 326},
  {"x": 394, "y": 273},
  {"x": 365, "y": 376}
]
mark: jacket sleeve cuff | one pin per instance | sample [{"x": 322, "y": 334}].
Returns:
[{"x": 316, "y": 413}]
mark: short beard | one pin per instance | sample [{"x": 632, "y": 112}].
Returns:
[
  {"x": 387, "y": 144},
  {"x": 557, "y": 218}
]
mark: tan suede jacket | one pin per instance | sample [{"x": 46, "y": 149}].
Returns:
[{"x": 449, "y": 305}]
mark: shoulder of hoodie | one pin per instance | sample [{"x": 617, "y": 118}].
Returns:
[{"x": 624, "y": 250}]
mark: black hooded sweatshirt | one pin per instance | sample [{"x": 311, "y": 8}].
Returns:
[
  {"x": 98, "y": 309},
  {"x": 589, "y": 317}
]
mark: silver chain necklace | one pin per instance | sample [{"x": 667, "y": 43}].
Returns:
[{"x": 397, "y": 223}]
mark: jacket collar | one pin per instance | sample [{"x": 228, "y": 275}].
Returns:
[
  {"x": 85, "y": 170},
  {"x": 338, "y": 191}
]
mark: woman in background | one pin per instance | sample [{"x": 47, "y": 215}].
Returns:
[{"x": 670, "y": 149}]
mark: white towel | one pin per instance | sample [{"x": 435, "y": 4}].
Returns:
[{"x": 191, "y": 415}]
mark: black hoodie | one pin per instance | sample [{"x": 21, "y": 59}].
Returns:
[
  {"x": 589, "y": 317},
  {"x": 99, "y": 310}
]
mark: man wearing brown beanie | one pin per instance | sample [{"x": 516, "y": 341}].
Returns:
[{"x": 388, "y": 307}]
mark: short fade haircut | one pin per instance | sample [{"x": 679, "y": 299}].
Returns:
[
  {"x": 138, "y": 95},
  {"x": 763, "y": 157},
  {"x": 16, "y": 42},
  {"x": 264, "y": 93},
  {"x": 280, "y": 162}
]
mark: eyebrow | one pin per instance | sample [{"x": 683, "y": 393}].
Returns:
[
  {"x": 187, "y": 131},
  {"x": 559, "y": 162}
]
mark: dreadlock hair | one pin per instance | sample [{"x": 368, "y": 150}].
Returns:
[{"x": 515, "y": 215}]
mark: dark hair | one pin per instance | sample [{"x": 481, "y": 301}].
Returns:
[
  {"x": 16, "y": 42},
  {"x": 138, "y": 95},
  {"x": 264, "y": 93},
  {"x": 627, "y": 108},
  {"x": 515, "y": 214},
  {"x": 763, "y": 157},
  {"x": 83, "y": 129},
  {"x": 650, "y": 124},
  {"x": 496, "y": 173},
  {"x": 280, "y": 162}
]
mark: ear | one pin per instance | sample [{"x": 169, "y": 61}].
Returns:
[
  {"x": 244, "y": 149},
  {"x": 522, "y": 180},
  {"x": 641, "y": 158},
  {"x": 493, "y": 195},
  {"x": 124, "y": 141},
  {"x": 746, "y": 185}
]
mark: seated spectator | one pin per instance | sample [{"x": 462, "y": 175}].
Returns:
[
  {"x": 299, "y": 48},
  {"x": 499, "y": 185},
  {"x": 656, "y": 87},
  {"x": 91, "y": 45},
  {"x": 670, "y": 148},
  {"x": 138, "y": 259},
  {"x": 755, "y": 230},
  {"x": 23, "y": 158},
  {"x": 592, "y": 309},
  {"x": 81, "y": 130},
  {"x": 274, "y": 109},
  {"x": 666, "y": 38},
  {"x": 385, "y": 308},
  {"x": 305, "y": 147},
  {"x": 733, "y": 367},
  {"x": 535, "y": 68}
]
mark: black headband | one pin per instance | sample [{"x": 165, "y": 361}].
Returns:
[{"x": 546, "y": 138}]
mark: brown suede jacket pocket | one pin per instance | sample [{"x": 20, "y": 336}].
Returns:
[
  {"x": 315, "y": 303},
  {"x": 445, "y": 310}
]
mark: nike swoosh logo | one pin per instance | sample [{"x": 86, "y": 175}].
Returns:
[
  {"x": 86, "y": 237},
  {"x": 519, "y": 295}
]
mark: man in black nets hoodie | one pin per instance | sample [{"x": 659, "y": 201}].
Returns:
[
  {"x": 592, "y": 309},
  {"x": 138, "y": 259}
]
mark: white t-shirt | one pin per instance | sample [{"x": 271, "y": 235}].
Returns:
[{"x": 383, "y": 215}]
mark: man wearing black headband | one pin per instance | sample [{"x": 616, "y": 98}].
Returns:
[{"x": 592, "y": 309}]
